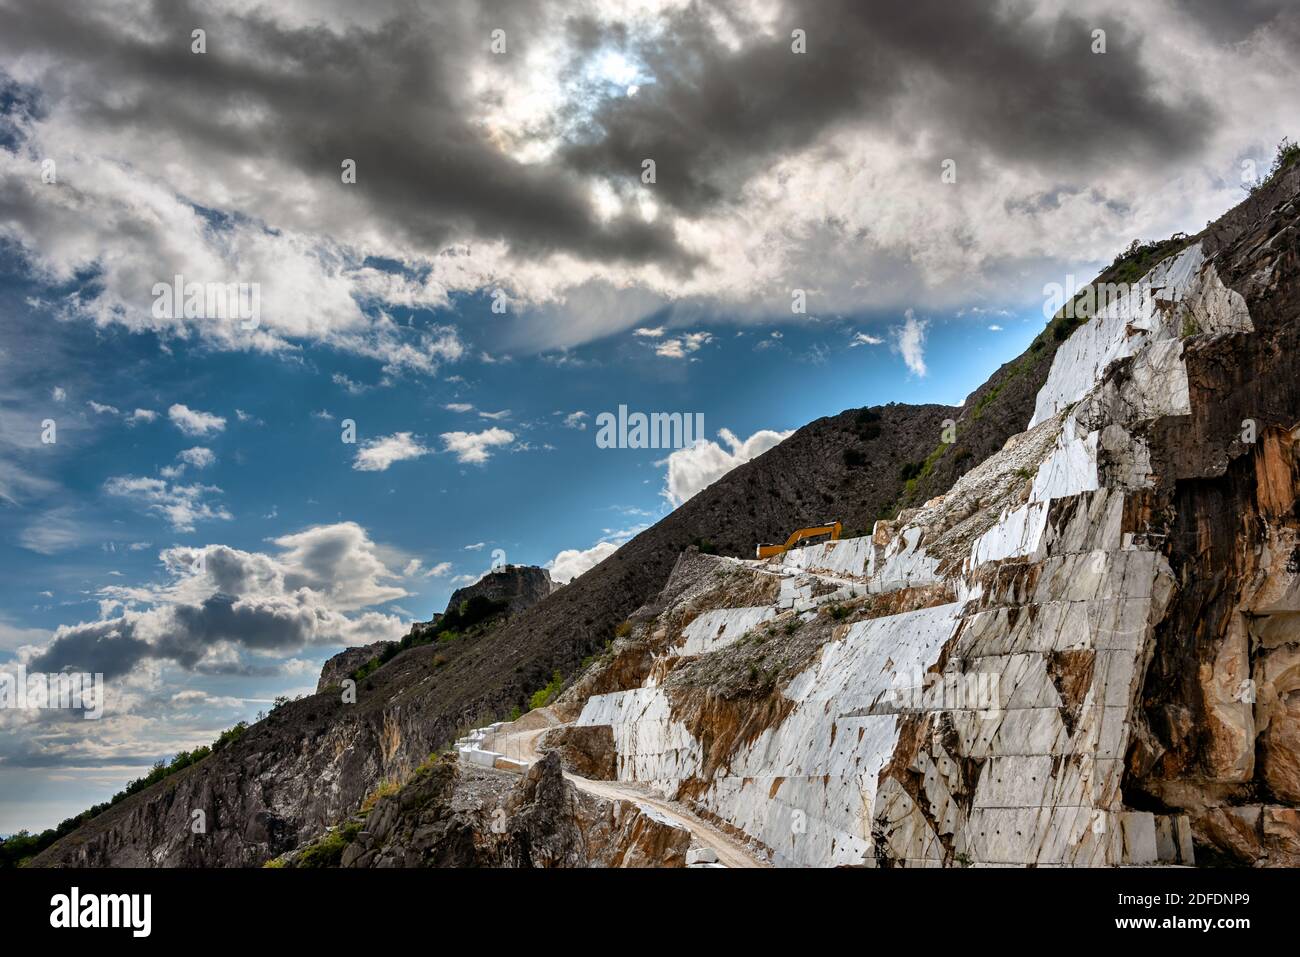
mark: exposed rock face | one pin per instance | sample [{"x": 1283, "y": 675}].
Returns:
[
  {"x": 519, "y": 586},
  {"x": 453, "y": 815},
  {"x": 347, "y": 661},
  {"x": 1217, "y": 731},
  {"x": 587, "y": 751}
]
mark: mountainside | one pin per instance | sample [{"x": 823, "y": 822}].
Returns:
[
  {"x": 1131, "y": 494},
  {"x": 1086, "y": 652}
]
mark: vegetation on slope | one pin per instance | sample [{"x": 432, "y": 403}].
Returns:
[{"x": 470, "y": 616}]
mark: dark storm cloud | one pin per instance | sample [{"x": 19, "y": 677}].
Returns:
[
  {"x": 974, "y": 77},
  {"x": 107, "y": 647},
  {"x": 981, "y": 82},
  {"x": 1234, "y": 20},
  {"x": 299, "y": 101},
  {"x": 189, "y": 632}
]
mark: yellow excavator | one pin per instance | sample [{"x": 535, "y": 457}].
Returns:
[{"x": 770, "y": 551}]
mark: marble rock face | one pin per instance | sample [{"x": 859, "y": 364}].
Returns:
[{"x": 973, "y": 695}]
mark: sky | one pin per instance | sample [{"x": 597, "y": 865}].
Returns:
[{"x": 462, "y": 259}]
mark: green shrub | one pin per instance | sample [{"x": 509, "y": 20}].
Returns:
[
  {"x": 327, "y": 852},
  {"x": 545, "y": 696},
  {"x": 386, "y": 787},
  {"x": 1288, "y": 154},
  {"x": 366, "y": 670}
]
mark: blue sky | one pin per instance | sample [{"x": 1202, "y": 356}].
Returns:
[
  {"x": 199, "y": 532},
  {"x": 281, "y": 465}
]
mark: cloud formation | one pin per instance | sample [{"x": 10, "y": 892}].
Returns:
[
  {"x": 680, "y": 347},
  {"x": 572, "y": 562},
  {"x": 775, "y": 170},
  {"x": 909, "y": 339},
  {"x": 199, "y": 457},
  {"x": 193, "y": 422},
  {"x": 475, "y": 448},
  {"x": 694, "y": 469},
  {"x": 377, "y": 455},
  {"x": 181, "y": 505},
  {"x": 569, "y": 563},
  {"x": 220, "y": 604}
]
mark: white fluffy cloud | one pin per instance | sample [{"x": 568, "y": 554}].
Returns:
[
  {"x": 198, "y": 457},
  {"x": 378, "y": 454},
  {"x": 694, "y": 469},
  {"x": 682, "y": 346},
  {"x": 182, "y": 505},
  {"x": 193, "y": 422},
  {"x": 910, "y": 342},
  {"x": 572, "y": 562},
  {"x": 476, "y": 447}
]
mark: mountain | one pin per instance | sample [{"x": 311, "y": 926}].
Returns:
[
  {"x": 517, "y": 587},
  {"x": 1174, "y": 725}
]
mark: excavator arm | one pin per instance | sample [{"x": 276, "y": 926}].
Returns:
[{"x": 833, "y": 529}]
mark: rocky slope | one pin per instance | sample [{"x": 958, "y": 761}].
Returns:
[
  {"x": 451, "y": 815},
  {"x": 1109, "y": 596},
  {"x": 347, "y": 661}
]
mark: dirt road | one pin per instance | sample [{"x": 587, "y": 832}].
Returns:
[
  {"x": 518, "y": 740},
  {"x": 730, "y": 851}
]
